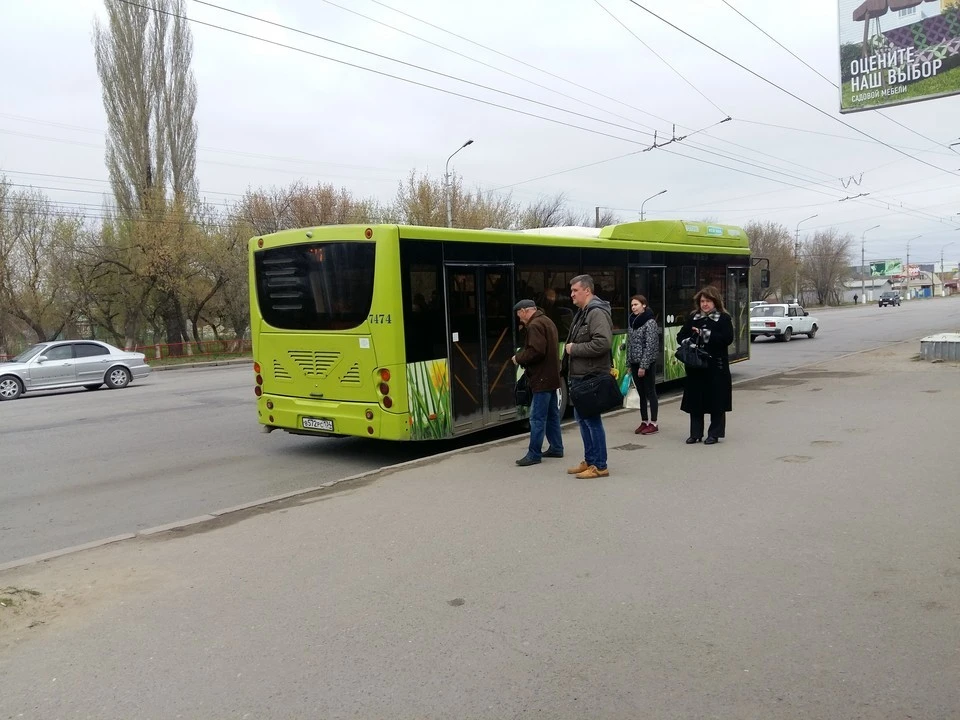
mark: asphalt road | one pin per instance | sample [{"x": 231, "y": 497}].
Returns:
[{"x": 80, "y": 466}]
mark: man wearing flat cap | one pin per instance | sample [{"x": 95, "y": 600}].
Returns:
[{"x": 540, "y": 358}]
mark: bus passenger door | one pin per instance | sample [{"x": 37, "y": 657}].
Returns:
[
  {"x": 648, "y": 281},
  {"x": 481, "y": 321},
  {"x": 737, "y": 303}
]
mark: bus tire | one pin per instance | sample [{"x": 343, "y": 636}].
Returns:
[{"x": 563, "y": 401}]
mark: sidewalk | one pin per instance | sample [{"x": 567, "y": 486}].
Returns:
[{"x": 807, "y": 567}]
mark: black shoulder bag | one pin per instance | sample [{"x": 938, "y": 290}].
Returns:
[
  {"x": 692, "y": 354},
  {"x": 523, "y": 392},
  {"x": 597, "y": 393}
]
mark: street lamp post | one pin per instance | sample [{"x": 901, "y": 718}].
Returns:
[
  {"x": 943, "y": 291},
  {"x": 796, "y": 260},
  {"x": 908, "y": 263},
  {"x": 863, "y": 284},
  {"x": 649, "y": 198},
  {"x": 446, "y": 182}
]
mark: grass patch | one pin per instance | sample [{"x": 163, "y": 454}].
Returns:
[{"x": 11, "y": 596}]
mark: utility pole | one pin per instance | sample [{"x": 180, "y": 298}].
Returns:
[
  {"x": 908, "y": 269},
  {"x": 796, "y": 260},
  {"x": 863, "y": 285},
  {"x": 943, "y": 271},
  {"x": 597, "y": 221}
]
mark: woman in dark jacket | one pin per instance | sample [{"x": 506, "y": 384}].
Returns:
[
  {"x": 642, "y": 350},
  {"x": 710, "y": 389}
]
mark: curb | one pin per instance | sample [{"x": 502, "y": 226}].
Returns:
[
  {"x": 387, "y": 469},
  {"x": 200, "y": 365}
]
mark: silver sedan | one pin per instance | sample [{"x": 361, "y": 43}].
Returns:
[{"x": 71, "y": 363}]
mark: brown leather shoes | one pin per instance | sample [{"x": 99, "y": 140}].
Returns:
[{"x": 593, "y": 472}]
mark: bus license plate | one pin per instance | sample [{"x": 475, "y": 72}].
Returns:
[{"x": 310, "y": 423}]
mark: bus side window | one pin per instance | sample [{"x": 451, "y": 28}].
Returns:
[{"x": 423, "y": 312}]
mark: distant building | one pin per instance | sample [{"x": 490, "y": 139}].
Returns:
[{"x": 873, "y": 286}]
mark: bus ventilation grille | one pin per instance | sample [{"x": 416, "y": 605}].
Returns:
[
  {"x": 280, "y": 372},
  {"x": 314, "y": 363},
  {"x": 352, "y": 376}
]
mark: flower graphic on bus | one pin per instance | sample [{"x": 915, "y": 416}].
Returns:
[
  {"x": 438, "y": 376},
  {"x": 430, "y": 412}
]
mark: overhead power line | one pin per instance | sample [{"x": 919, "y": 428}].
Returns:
[
  {"x": 414, "y": 66},
  {"x": 766, "y": 167},
  {"x": 202, "y": 148},
  {"x": 662, "y": 59},
  {"x": 419, "y": 67},
  {"x": 483, "y": 63},
  {"x": 521, "y": 62},
  {"x": 785, "y": 91},
  {"x": 314, "y": 35},
  {"x": 831, "y": 82}
]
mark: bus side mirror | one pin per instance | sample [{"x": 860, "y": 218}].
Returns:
[{"x": 764, "y": 278}]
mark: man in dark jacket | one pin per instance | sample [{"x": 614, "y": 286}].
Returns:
[
  {"x": 541, "y": 359},
  {"x": 588, "y": 350}
]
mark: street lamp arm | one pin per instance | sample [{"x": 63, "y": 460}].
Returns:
[
  {"x": 649, "y": 198},
  {"x": 446, "y": 182}
]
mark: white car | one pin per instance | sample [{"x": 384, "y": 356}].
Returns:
[
  {"x": 781, "y": 321},
  {"x": 71, "y": 363}
]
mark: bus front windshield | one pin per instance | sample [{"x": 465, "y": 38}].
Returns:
[{"x": 316, "y": 286}]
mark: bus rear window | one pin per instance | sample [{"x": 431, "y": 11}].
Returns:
[{"x": 318, "y": 286}]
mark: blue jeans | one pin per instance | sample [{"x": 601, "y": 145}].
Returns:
[
  {"x": 594, "y": 440},
  {"x": 544, "y": 420}
]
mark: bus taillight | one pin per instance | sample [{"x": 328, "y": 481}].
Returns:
[
  {"x": 387, "y": 403},
  {"x": 269, "y": 404},
  {"x": 385, "y": 375},
  {"x": 256, "y": 368},
  {"x": 258, "y": 391},
  {"x": 259, "y": 380},
  {"x": 384, "y": 389},
  {"x": 369, "y": 414}
]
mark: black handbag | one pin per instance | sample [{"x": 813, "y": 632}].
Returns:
[
  {"x": 523, "y": 392},
  {"x": 692, "y": 354},
  {"x": 596, "y": 394}
]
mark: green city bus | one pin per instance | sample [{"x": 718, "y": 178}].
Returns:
[{"x": 407, "y": 333}]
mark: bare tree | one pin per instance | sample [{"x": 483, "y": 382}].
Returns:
[
  {"x": 269, "y": 211},
  {"x": 825, "y": 264},
  {"x": 37, "y": 255},
  {"x": 421, "y": 200},
  {"x": 772, "y": 241},
  {"x": 545, "y": 212},
  {"x": 143, "y": 57}
]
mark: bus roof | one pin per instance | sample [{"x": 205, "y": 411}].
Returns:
[
  {"x": 670, "y": 235},
  {"x": 674, "y": 231}
]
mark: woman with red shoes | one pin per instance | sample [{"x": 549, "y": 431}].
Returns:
[{"x": 644, "y": 343}]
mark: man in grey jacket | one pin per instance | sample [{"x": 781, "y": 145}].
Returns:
[{"x": 588, "y": 352}]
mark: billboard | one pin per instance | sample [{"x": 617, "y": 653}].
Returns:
[
  {"x": 886, "y": 268},
  {"x": 897, "y": 51}
]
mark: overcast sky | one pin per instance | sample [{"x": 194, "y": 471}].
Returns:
[{"x": 269, "y": 116}]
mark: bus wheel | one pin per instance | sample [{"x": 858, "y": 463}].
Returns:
[{"x": 563, "y": 400}]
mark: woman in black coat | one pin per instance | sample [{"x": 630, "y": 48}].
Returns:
[{"x": 710, "y": 389}]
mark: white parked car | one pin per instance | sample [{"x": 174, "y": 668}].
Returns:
[
  {"x": 781, "y": 321},
  {"x": 70, "y": 363}
]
